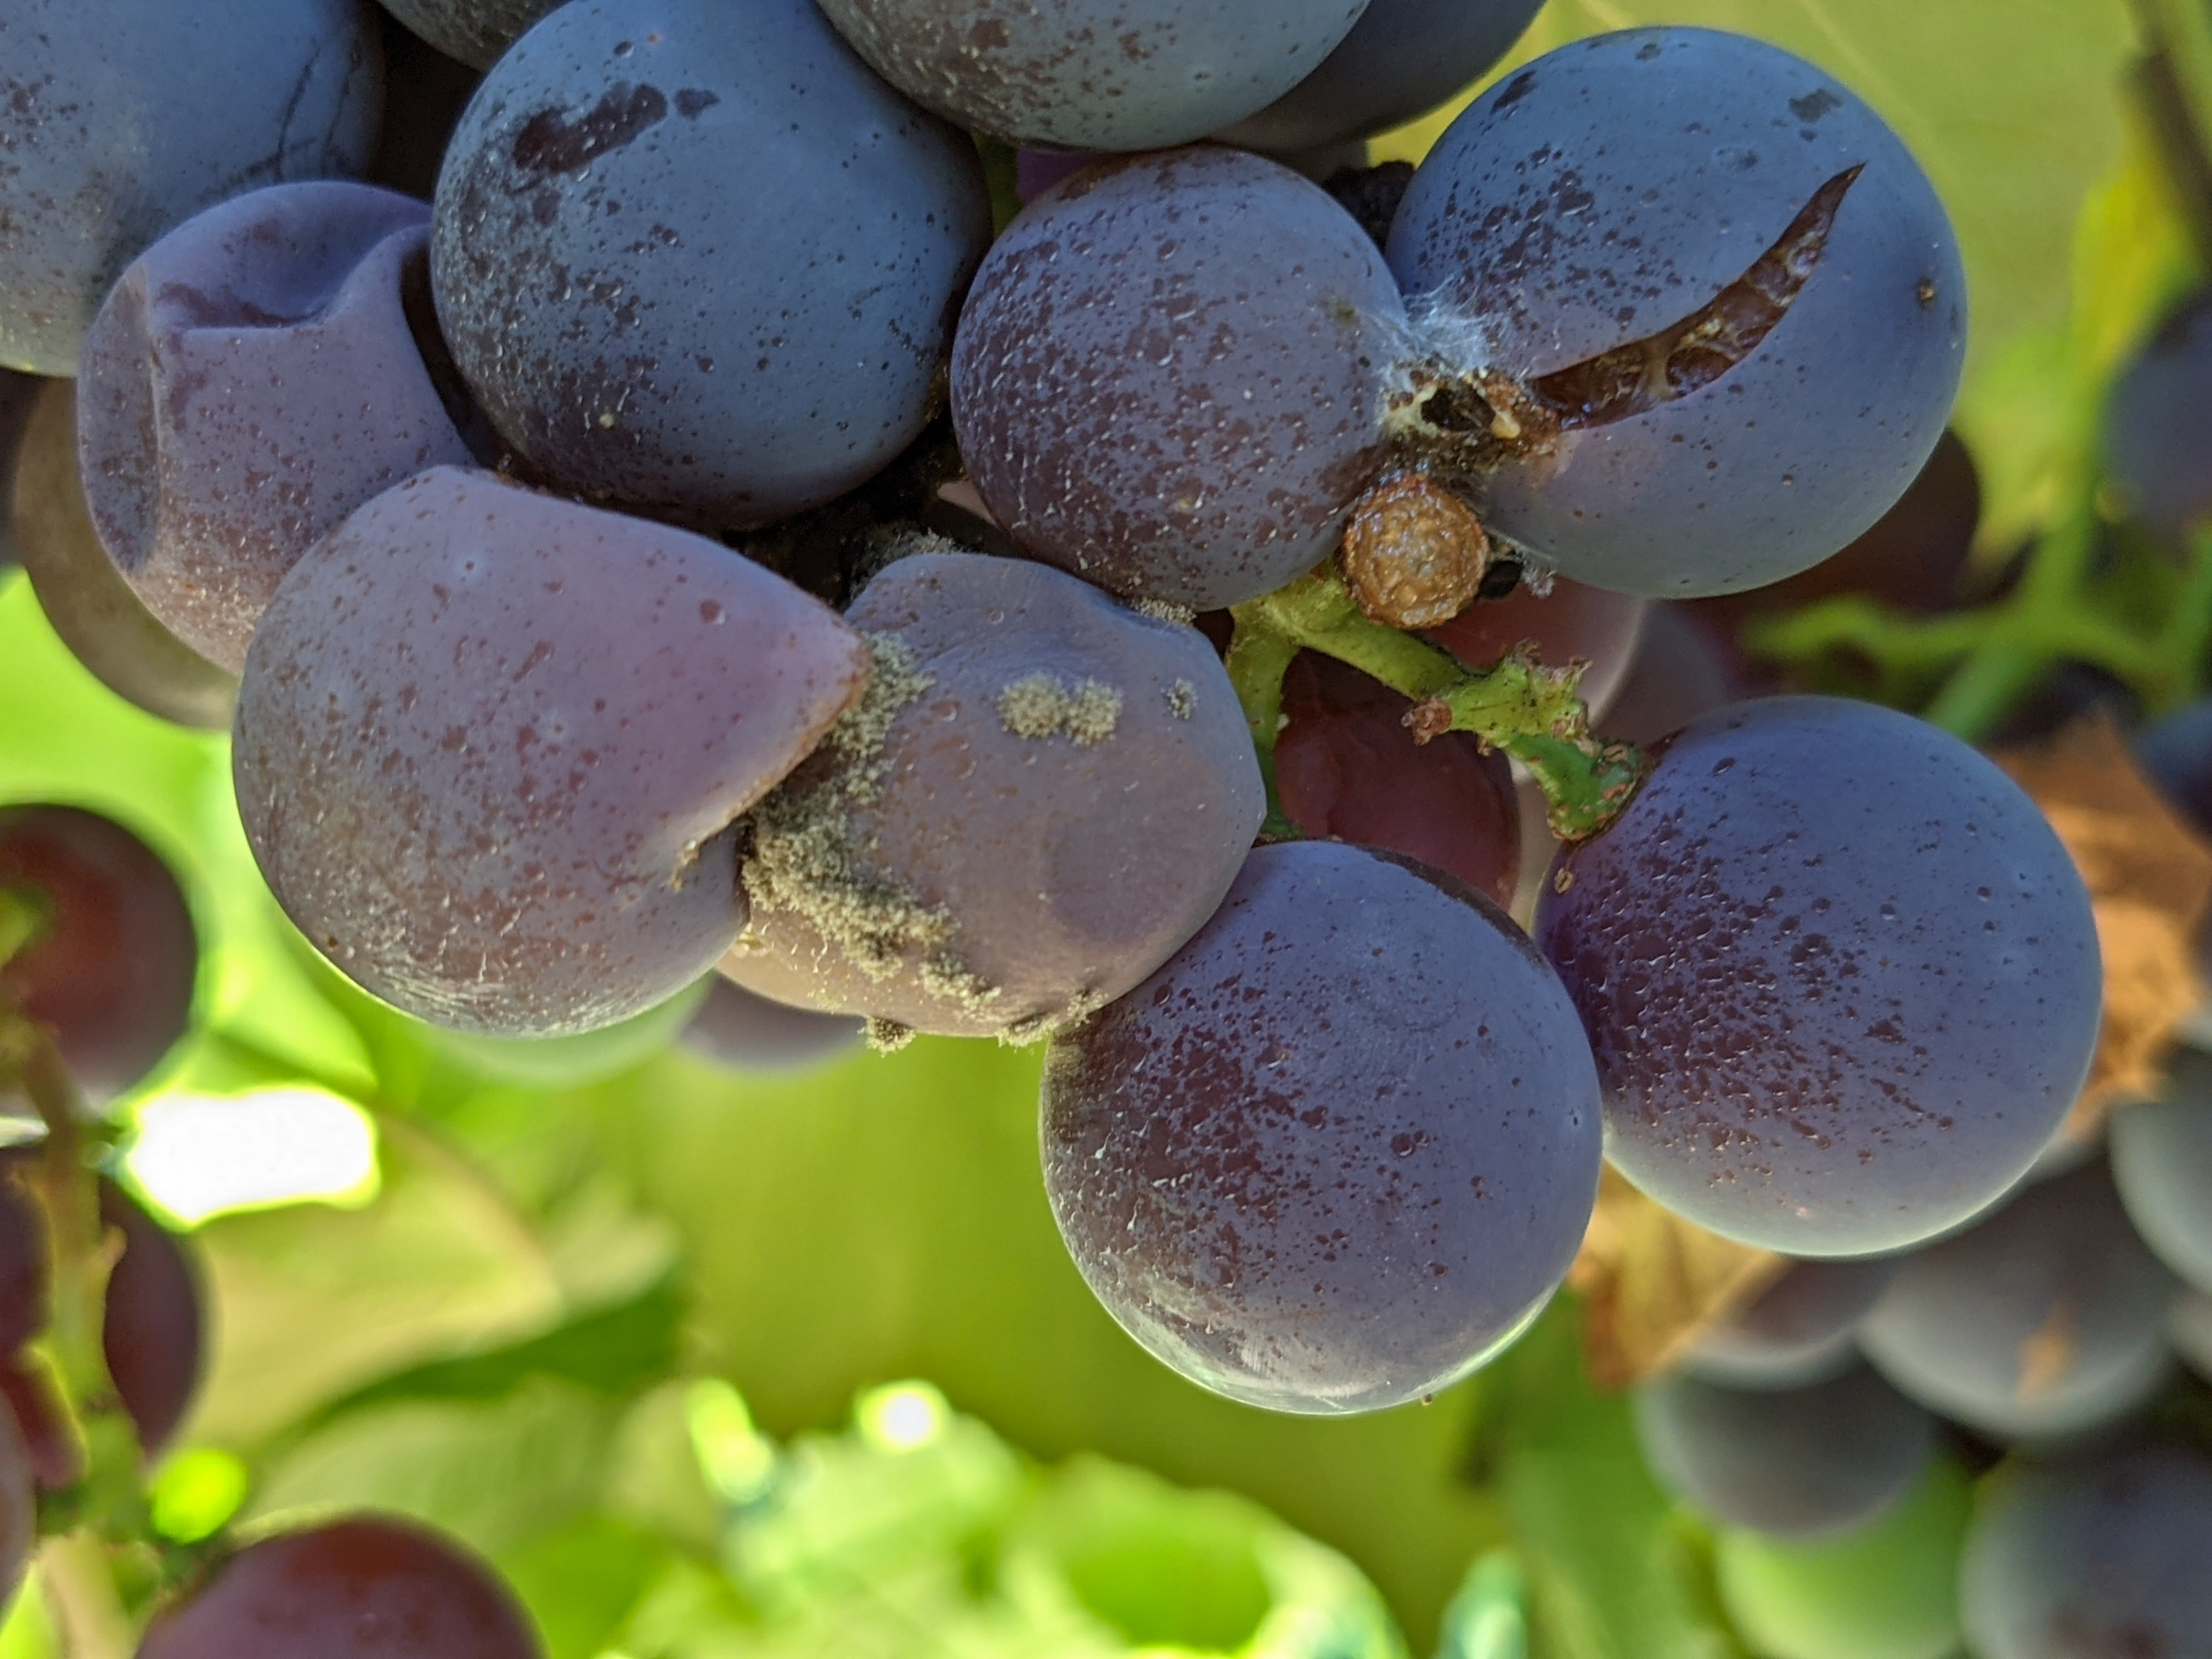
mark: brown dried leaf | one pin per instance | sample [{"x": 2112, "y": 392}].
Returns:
[
  {"x": 2149, "y": 876},
  {"x": 1650, "y": 1282}
]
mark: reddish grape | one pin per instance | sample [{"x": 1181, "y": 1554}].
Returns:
[
  {"x": 1568, "y": 622},
  {"x": 19, "y": 1508},
  {"x": 113, "y": 971},
  {"x": 1348, "y": 767},
  {"x": 153, "y": 1333},
  {"x": 1341, "y": 1149},
  {"x": 490, "y": 745},
  {"x": 369, "y": 1586},
  {"x": 1682, "y": 671}
]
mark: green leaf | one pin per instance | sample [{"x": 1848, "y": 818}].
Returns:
[{"x": 581, "y": 1581}]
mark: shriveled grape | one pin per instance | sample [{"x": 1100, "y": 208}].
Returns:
[{"x": 1337, "y": 1152}]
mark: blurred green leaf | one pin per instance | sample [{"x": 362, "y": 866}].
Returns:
[{"x": 581, "y": 1581}]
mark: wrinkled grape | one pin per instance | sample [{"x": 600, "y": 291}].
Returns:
[
  {"x": 1841, "y": 978},
  {"x": 490, "y": 744},
  {"x": 741, "y": 1031},
  {"x": 1799, "y": 1330},
  {"x": 2162, "y": 1165},
  {"x": 1341, "y": 1149}
]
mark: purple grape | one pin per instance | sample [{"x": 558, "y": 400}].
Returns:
[
  {"x": 18, "y": 1511},
  {"x": 490, "y": 745},
  {"x": 2176, "y": 752},
  {"x": 1041, "y": 797},
  {"x": 1789, "y": 1462},
  {"x": 1105, "y": 75},
  {"x": 1682, "y": 671},
  {"x": 1402, "y": 58},
  {"x": 2158, "y": 425},
  {"x": 113, "y": 971},
  {"x": 1164, "y": 379},
  {"x": 367, "y": 1587},
  {"x": 1341, "y": 1149},
  {"x": 1840, "y": 976},
  {"x": 126, "y": 117},
  {"x": 2044, "y": 1319},
  {"x": 2106, "y": 1555},
  {"x": 2162, "y": 1165},
  {"x": 1728, "y": 293},
  {"x": 1798, "y": 1332},
  {"x": 743, "y": 1032},
  {"x": 473, "y": 32},
  {"x": 105, "y": 626},
  {"x": 250, "y": 381},
  {"x": 644, "y": 332}
]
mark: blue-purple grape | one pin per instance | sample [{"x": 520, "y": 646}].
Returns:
[
  {"x": 1167, "y": 377},
  {"x": 126, "y": 117},
  {"x": 2045, "y": 1319},
  {"x": 1841, "y": 977},
  {"x": 2161, "y": 1154},
  {"x": 250, "y": 381},
  {"x": 1799, "y": 1330},
  {"x": 490, "y": 746},
  {"x": 1104, "y": 75},
  {"x": 2158, "y": 425},
  {"x": 1789, "y": 1462},
  {"x": 1042, "y": 796},
  {"x": 1719, "y": 297},
  {"x": 2106, "y": 1555},
  {"x": 1402, "y": 58},
  {"x": 471, "y": 31},
  {"x": 649, "y": 330},
  {"x": 741, "y": 1031},
  {"x": 1341, "y": 1149}
]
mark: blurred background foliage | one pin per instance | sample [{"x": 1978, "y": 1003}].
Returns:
[{"x": 648, "y": 1333}]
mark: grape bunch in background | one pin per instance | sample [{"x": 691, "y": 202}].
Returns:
[{"x": 713, "y": 533}]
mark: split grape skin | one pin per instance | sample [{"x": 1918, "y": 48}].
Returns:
[
  {"x": 1043, "y": 795},
  {"x": 1788, "y": 1463},
  {"x": 105, "y": 626},
  {"x": 2105, "y": 1553},
  {"x": 1535, "y": 242},
  {"x": 1841, "y": 977},
  {"x": 471, "y": 31},
  {"x": 113, "y": 971},
  {"x": 645, "y": 336},
  {"x": 1150, "y": 73},
  {"x": 1402, "y": 58},
  {"x": 1797, "y": 1333},
  {"x": 2161, "y": 1152},
  {"x": 1347, "y": 767},
  {"x": 250, "y": 381},
  {"x": 1197, "y": 436},
  {"x": 1339, "y": 1150},
  {"x": 365, "y": 1587},
  {"x": 131, "y": 116},
  {"x": 741, "y": 1031},
  {"x": 2044, "y": 1320},
  {"x": 490, "y": 745}
]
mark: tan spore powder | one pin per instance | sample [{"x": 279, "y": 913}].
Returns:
[{"x": 1039, "y": 706}]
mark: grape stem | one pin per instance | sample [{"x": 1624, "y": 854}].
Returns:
[{"x": 1531, "y": 711}]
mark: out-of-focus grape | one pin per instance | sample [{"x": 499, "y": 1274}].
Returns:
[
  {"x": 1119, "y": 75},
  {"x": 741, "y": 1031},
  {"x": 2043, "y": 1320},
  {"x": 1165, "y": 379},
  {"x": 2104, "y": 1556},
  {"x": 113, "y": 970},
  {"x": 1682, "y": 671},
  {"x": 2158, "y": 425},
  {"x": 1800, "y": 389},
  {"x": 1799, "y": 1330},
  {"x": 367, "y": 1587},
  {"x": 250, "y": 381},
  {"x": 2189, "y": 1327},
  {"x": 2162, "y": 1165},
  {"x": 1341, "y": 1149},
  {"x": 1042, "y": 795},
  {"x": 1571, "y": 621},
  {"x": 18, "y": 392},
  {"x": 1841, "y": 977},
  {"x": 1346, "y": 766},
  {"x": 106, "y": 626},
  {"x": 473, "y": 32},
  {"x": 189, "y": 111},
  {"x": 154, "y": 1334},
  {"x": 646, "y": 327},
  {"x": 490, "y": 746},
  {"x": 2176, "y": 750},
  {"x": 18, "y": 1509}
]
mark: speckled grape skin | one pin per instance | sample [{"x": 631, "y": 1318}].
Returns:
[
  {"x": 1616, "y": 187},
  {"x": 2047, "y": 1319},
  {"x": 2104, "y": 1555},
  {"x": 1165, "y": 378},
  {"x": 695, "y": 258},
  {"x": 1403, "y": 58},
  {"x": 473, "y": 32},
  {"x": 362, "y": 1587},
  {"x": 1799, "y": 1330},
  {"x": 1789, "y": 1462},
  {"x": 1105, "y": 75},
  {"x": 1840, "y": 976},
  {"x": 250, "y": 381},
  {"x": 1339, "y": 1151},
  {"x": 489, "y": 742},
  {"x": 1069, "y": 870},
  {"x": 2162, "y": 1163},
  {"x": 122, "y": 119}
]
